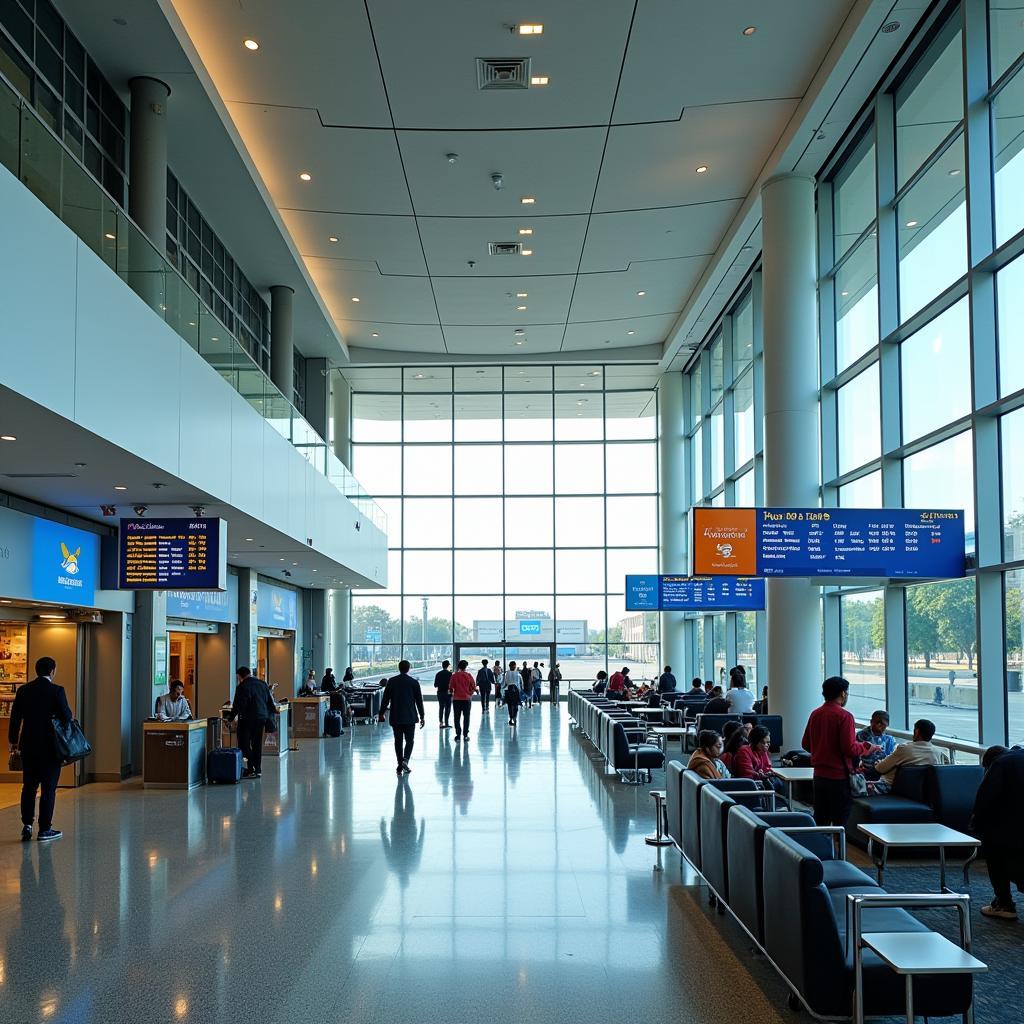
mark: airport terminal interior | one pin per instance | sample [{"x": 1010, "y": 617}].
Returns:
[{"x": 618, "y": 349}]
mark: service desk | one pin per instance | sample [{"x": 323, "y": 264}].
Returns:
[
  {"x": 274, "y": 743},
  {"x": 174, "y": 754},
  {"x": 308, "y": 716}
]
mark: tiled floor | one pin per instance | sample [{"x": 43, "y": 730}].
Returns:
[{"x": 507, "y": 880}]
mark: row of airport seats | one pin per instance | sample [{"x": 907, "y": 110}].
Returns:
[
  {"x": 617, "y": 735},
  {"x": 686, "y": 710},
  {"x": 788, "y": 885}
]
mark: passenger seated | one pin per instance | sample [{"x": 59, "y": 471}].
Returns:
[
  {"x": 920, "y": 750},
  {"x": 696, "y": 689},
  {"x": 736, "y": 738},
  {"x": 875, "y": 733},
  {"x": 706, "y": 760},
  {"x": 173, "y": 705},
  {"x": 753, "y": 761},
  {"x": 761, "y": 706},
  {"x": 601, "y": 682},
  {"x": 717, "y": 705},
  {"x": 308, "y": 688},
  {"x": 739, "y": 698}
]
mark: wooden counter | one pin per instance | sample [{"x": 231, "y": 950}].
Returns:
[
  {"x": 275, "y": 744},
  {"x": 174, "y": 754},
  {"x": 308, "y": 716}
]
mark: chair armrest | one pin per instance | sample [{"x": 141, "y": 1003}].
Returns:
[
  {"x": 837, "y": 833},
  {"x": 740, "y": 795}
]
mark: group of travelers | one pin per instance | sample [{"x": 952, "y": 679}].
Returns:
[{"x": 512, "y": 688}]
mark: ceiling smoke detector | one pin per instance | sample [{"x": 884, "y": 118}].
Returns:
[
  {"x": 504, "y": 248},
  {"x": 503, "y": 73}
]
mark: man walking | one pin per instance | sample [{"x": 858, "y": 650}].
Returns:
[
  {"x": 444, "y": 697},
  {"x": 513, "y": 682},
  {"x": 30, "y": 731},
  {"x": 554, "y": 678},
  {"x": 484, "y": 681},
  {"x": 405, "y": 699},
  {"x": 463, "y": 687},
  {"x": 254, "y": 708}
]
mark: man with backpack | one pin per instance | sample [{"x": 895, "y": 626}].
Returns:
[
  {"x": 484, "y": 682},
  {"x": 512, "y": 691}
]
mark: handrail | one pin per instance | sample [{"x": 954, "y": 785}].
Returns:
[{"x": 41, "y": 161}]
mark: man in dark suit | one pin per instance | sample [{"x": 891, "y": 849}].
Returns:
[
  {"x": 444, "y": 697},
  {"x": 405, "y": 699},
  {"x": 254, "y": 708},
  {"x": 484, "y": 682},
  {"x": 36, "y": 704}
]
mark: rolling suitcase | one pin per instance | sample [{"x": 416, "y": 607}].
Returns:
[
  {"x": 224, "y": 765},
  {"x": 332, "y": 724}
]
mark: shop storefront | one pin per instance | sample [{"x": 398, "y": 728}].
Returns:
[{"x": 278, "y": 622}]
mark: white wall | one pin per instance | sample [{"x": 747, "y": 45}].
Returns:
[{"x": 75, "y": 338}]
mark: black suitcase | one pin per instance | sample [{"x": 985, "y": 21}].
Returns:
[
  {"x": 224, "y": 765},
  {"x": 332, "y": 724}
]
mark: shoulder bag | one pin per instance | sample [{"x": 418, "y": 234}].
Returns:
[{"x": 69, "y": 741}]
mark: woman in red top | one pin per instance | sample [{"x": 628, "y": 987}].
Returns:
[
  {"x": 462, "y": 686},
  {"x": 753, "y": 761}
]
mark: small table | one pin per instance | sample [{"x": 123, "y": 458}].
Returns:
[
  {"x": 658, "y": 838},
  {"x": 664, "y": 732},
  {"x": 791, "y": 775},
  {"x": 923, "y": 834},
  {"x": 912, "y": 953}
]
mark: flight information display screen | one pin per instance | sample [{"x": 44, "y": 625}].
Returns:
[
  {"x": 886, "y": 543},
  {"x": 694, "y": 593},
  {"x": 172, "y": 554}
]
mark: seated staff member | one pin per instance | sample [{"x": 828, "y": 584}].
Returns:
[
  {"x": 173, "y": 705},
  {"x": 706, "y": 760},
  {"x": 308, "y": 688}
]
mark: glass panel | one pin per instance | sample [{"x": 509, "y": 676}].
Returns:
[
  {"x": 744, "y": 493},
  {"x": 631, "y": 415},
  {"x": 378, "y": 467},
  {"x": 570, "y": 378},
  {"x": 10, "y": 125},
  {"x": 632, "y": 522},
  {"x": 1014, "y": 647},
  {"x": 528, "y": 378},
  {"x": 941, "y": 649},
  {"x": 478, "y": 572},
  {"x": 428, "y": 523},
  {"x": 528, "y": 522},
  {"x": 478, "y": 417},
  {"x": 579, "y": 468},
  {"x": 579, "y": 417},
  {"x": 1007, "y": 143},
  {"x": 478, "y": 522},
  {"x": 40, "y": 161},
  {"x": 476, "y": 379},
  {"x": 864, "y": 492},
  {"x": 854, "y": 203},
  {"x": 623, "y": 562},
  {"x": 427, "y": 378},
  {"x": 528, "y": 417},
  {"x": 481, "y": 617},
  {"x": 428, "y": 572},
  {"x": 698, "y": 631},
  {"x": 428, "y": 418},
  {"x": 428, "y": 468},
  {"x": 718, "y": 634},
  {"x": 935, "y": 373},
  {"x": 632, "y": 468},
  {"x": 717, "y": 370},
  {"x": 1006, "y": 36},
  {"x": 697, "y": 464},
  {"x": 943, "y": 477},
  {"x": 579, "y": 522},
  {"x": 527, "y": 571},
  {"x": 860, "y": 429},
  {"x": 743, "y": 419},
  {"x": 929, "y": 104},
  {"x": 377, "y": 613},
  {"x": 717, "y": 445},
  {"x": 862, "y": 652},
  {"x": 427, "y": 620},
  {"x": 1011, "y": 434},
  {"x": 478, "y": 469},
  {"x": 577, "y": 618},
  {"x": 932, "y": 232},
  {"x": 523, "y": 615},
  {"x": 743, "y": 336},
  {"x": 580, "y": 571},
  {"x": 528, "y": 469},
  {"x": 856, "y": 299},
  {"x": 746, "y": 646},
  {"x": 696, "y": 395},
  {"x": 376, "y": 417},
  {"x": 1010, "y": 295}
]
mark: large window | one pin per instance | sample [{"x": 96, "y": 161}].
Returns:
[
  {"x": 862, "y": 618},
  {"x": 517, "y": 506}
]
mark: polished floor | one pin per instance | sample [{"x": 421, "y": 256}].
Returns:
[{"x": 504, "y": 880}]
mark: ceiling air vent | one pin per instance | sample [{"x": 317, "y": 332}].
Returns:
[
  {"x": 503, "y": 73},
  {"x": 505, "y": 248}
]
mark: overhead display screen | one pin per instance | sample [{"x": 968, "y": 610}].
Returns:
[
  {"x": 694, "y": 594},
  {"x": 886, "y": 543},
  {"x": 172, "y": 554}
]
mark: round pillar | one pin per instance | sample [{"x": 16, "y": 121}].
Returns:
[{"x": 147, "y": 155}]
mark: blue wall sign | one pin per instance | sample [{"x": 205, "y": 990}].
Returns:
[
  {"x": 172, "y": 554},
  {"x": 694, "y": 593},
  {"x": 276, "y": 606},
  {"x": 204, "y": 605},
  {"x": 529, "y": 627},
  {"x": 65, "y": 563},
  {"x": 373, "y": 636}
]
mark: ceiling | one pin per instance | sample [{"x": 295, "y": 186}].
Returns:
[{"x": 370, "y": 98}]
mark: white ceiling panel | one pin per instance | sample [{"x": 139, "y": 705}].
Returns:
[
  {"x": 602, "y": 334},
  {"x": 615, "y": 240},
  {"x": 353, "y": 170},
  {"x": 500, "y": 341},
  {"x": 338, "y": 72},
  {"x": 558, "y": 168},
  {"x": 391, "y": 243},
  {"x": 451, "y": 242},
  {"x": 665, "y": 283},
  {"x": 392, "y": 337},
  {"x": 381, "y": 299},
  {"x": 429, "y": 50},
  {"x": 493, "y": 300},
  {"x": 687, "y": 53},
  {"x": 654, "y": 165}
]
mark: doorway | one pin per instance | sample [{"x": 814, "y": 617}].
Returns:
[
  {"x": 543, "y": 654},
  {"x": 182, "y": 657}
]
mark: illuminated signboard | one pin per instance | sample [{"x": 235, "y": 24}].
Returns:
[
  {"x": 694, "y": 594},
  {"x": 886, "y": 543},
  {"x": 172, "y": 554}
]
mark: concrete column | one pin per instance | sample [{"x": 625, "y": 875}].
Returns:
[
  {"x": 791, "y": 451},
  {"x": 282, "y": 340},
  {"x": 672, "y": 512},
  {"x": 341, "y": 406},
  {"x": 246, "y": 644},
  {"x": 149, "y": 663},
  {"x": 147, "y": 192},
  {"x": 316, "y": 632},
  {"x": 318, "y": 396},
  {"x": 341, "y": 650}
]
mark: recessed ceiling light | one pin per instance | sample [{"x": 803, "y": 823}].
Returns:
[
  {"x": 374, "y": 334},
  {"x": 527, "y": 200},
  {"x": 120, "y": 487},
  {"x": 703, "y": 169},
  {"x": 595, "y": 373},
  {"x": 316, "y": 570},
  {"x": 521, "y": 295},
  {"x": 954, "y": 172},
  {"x": 332, "y": 238},
  {"x": 526, "y": 231},
  {"x": 250, "y": 44},
  {"x": 249, "y": 539},
  {"x": 527, "y": 252},
  {"x": 355, "y": 298},
  {"x": 520, "y": 309},
  {"x": 305, "y": 176},
  {"x": 519, "y": 341},
  {"x": 582, "y": 385},
  {"x": 280, "y": 559},
  {"x": 7, "y": 437},
  {"x": 641, "y": 294},
  {"x": 750, "y": 30},
  {"x": 419, "y": 376},
  {"x": 530, "y": 30},
  {"x": 539, "y": 80},
  {"x": 110, "y": 235},
  {"x": 631, "y": 333},
  {"x": 844, "y": 294},
  {"x": 519, "y": 331},
  {"x": 911, "y": 223}
]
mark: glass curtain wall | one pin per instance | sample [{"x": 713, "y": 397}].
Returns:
[
  {"x": 723, "y": 450},
  {"x": 922, "y": 373},
  {"x": 518, "y": 499}
]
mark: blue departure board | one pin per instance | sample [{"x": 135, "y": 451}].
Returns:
[
  {"x": 172, "y": 554},
  {"x": 694, "y": 593}
]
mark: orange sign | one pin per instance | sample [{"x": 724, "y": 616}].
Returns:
[{"x": 724, "y": 542}]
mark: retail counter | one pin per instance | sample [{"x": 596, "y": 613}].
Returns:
[
  {"x": 308, "y": 716},
  {"x": 274, "y": 743},
  {"x": 174, "y": 754}
]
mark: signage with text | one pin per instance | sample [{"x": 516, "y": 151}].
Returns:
[
  {"x": 694, "y": 593},
  {"x": 886, "y": 543},
  {"x": 172, "y": 554},
  {"x": 277, "y": 607}
]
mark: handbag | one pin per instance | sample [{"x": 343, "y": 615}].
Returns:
[
  {"x": 858, "y": 784},
  {"x": 14, "y": 761},
  {"x": 69, "y": 741},
  {"x": 271, "y": 725}
]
